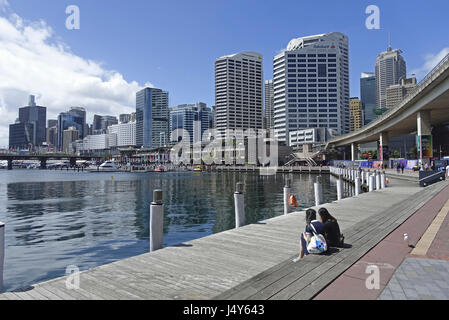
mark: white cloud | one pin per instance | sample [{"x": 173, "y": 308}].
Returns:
[
  {"x": 430, "y": 62},
  {"x": 32, "y": 61}
]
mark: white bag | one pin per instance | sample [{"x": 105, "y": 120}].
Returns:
[{"x": 317, "y": 244}]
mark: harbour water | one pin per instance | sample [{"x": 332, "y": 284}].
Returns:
[{"x": 56, "y": 219}]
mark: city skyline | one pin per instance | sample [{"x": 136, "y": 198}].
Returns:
[{"x": 370, "y": 42}]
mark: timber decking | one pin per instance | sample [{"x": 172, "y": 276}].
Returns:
[{"x": 253, "y": 262}]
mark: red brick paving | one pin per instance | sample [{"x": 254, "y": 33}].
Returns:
[{"x": 390, "y": 253}]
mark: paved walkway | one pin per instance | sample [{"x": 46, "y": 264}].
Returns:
[
  {"x": 208, "y": 267},
  {"x": 405, "y": 273}
]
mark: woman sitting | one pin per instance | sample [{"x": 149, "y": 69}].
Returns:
[
  {"x": 312, "y": 226},
  {"x": 331, "y": 229}
]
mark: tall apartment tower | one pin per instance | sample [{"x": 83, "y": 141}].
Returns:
[
  {"x": 368, "y": 95},
  {"x": 269, "y": 101},
  {"x": 390, "y": 69},
  {"x": 311, "y": 85},
  {"x": 396, "y": 93},
  {"x": 239, "y": 91},
  {"x": 152, "y": 118},
  {"x": 356, "y": 107}
]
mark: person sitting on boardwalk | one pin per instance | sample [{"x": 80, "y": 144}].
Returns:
[
  {"x": 331, "y": 231},
  {"x": 306, "y": 236}
]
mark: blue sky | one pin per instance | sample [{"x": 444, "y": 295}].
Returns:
[{"x": 173, "y": 44}]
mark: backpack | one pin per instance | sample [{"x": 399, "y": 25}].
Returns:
[{"x": 317, "y": 244}]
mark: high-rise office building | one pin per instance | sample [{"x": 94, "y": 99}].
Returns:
[
  {"x": 152, "y": 118},
  {"x": 125, "y": 118},
  {"x": 390, "y": 69},
  {"x": 69, "y": 137},
  {"x": 30, "y": 127},
  {"x": 52, "y": 132},
  {"x": 368, "y": 96},
  {"x": 396, "y": 93},
  {"x": 269, "y": 100},
  {"x": 195, "y": 118},
  {"x": 239, "y": 91},
  {"x": 311, "y": 85},
  {"x": 75, "y": 117},
  {"x": 101, "y": 123},
  {"x": 356, "y": 108}
]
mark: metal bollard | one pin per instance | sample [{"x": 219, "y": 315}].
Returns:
[
  {"x": 156, "y": 221},
  {"x": 358, "y": 187},
  {"x": 2, "y": 253},
  {"x": 340, "y": 188},
  {"x": 383, "y": 183},
  {"x": 371, "y": 182},
  {"x": 318, "y": 192},
  {"x": 287, "y": 190},
  {"x": 378, "y": 184},
  {"x": 239, "y": 200}
]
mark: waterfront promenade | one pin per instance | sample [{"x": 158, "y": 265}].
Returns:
[{"x": 251, "y": 262}]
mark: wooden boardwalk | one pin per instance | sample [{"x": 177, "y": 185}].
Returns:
[{"x": 251, "y": 262}]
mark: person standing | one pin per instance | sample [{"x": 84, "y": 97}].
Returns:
[{"x": 402, "y": 168}]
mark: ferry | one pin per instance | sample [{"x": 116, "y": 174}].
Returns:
[{"x": 107, "y": 166}]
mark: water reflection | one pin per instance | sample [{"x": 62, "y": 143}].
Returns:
[{"x": 56, "y": 219}]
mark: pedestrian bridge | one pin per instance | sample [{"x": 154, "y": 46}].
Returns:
[{"x": 427, "y": 106}]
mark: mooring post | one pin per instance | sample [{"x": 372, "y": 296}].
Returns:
[
  {"x": 318, "y": 191},
  {"x": 156, "y": 221},
  {"x": 340, "y": 188},
  {"x": 372, "y": 179},
  {"x": 239, "y": 200},
  {"x": 378, "y": 186},
  {"x": 383, "y": 180},
  {"x": 287, "y": 190},
  {"x": 358, "y": 187},
  {"x": 2, "y": 253}
]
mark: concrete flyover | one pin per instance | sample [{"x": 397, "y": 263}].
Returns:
[{"x": 427, "y": 106}]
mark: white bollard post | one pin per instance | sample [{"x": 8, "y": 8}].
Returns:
[
  {"x": 2, "y": 253},
  {"x": 383, "y": 180},
  {"x": 239, "y": 200},
  {"x": 318, "y": 192},
  {"x": 358, "y": 187},
  {"x": 378, "y": 186},
  {"x": 340, "y": 188},
  {"x": 371, "y": 183},
  {"x": 287, "y": 190},
  {"x": 156, "y": 221}
]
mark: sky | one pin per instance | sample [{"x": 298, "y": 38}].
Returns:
[{"x": 122, "y": 46}]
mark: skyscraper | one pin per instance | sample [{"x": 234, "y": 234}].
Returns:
[
  {"x": 269, "y": 100},
  {"x": 396, "y": 93},
  {"x": 75, "y": 117},
  {"x": 101, "y": 123},
  {"x": 356, "y": 107},
  {"x": 390, "y": 69},
  {"x": 311, "y": 85},
  {"x": 368, "y": 94},
  {"x": 239, "y": 91},
  {"x": 152, "y": 118},
  {"x": 30, "y": 128},
  {"x": 194, "y": 118}
]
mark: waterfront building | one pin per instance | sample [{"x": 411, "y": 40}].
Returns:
[
  {"x": 97, "y": 142},
  {"x": 396, "y": 93},
  {"x": 310, "y": 136},
  {"x": 75, "y": 117},
  {"x": 101, "y": 123},
  {"x": 195, "y": 118},
  {"x": 356, "y": 108},
  {"x": 122, "y": 135},
  {"x": 390, "y": 69},
  {"x": 269, "y": 101},
  {"x": 70, "y": 136},
  {"x": 368, "y": 96},
  {"x": 239, "y": 92},
  {"x": 30, "y": 128},
  {"x": 311, "y": 85},
  {"x": 152, "y": 118}
]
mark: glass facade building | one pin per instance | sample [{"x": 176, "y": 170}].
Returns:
[
  {"x": 76, "y": 117},
  {"x": 194, "y": 118},
  {"x": 368, "y": 96}
]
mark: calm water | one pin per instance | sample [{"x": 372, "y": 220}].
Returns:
[{"x": 56, "y": 218}]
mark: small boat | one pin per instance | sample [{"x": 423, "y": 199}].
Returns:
[
  {"x": 107, "y": 166},
  {"x": 159, "y": 169},
  {"x": 198, "y": 169}
]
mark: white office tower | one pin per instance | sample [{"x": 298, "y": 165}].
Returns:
[
  {"x": 390, "y": 69},
  {"x": 311, "y": 86},
  {"x": 239, "y": 91}
]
